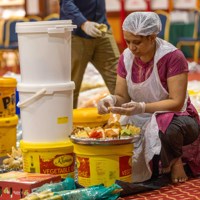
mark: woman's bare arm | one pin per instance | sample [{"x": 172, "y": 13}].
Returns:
[
  {"x": 177, "y": 86},
  {"x": 121, "y": 91}
]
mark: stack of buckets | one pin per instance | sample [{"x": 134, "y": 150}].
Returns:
[
  {"x": 46, "y": 96},
  {"x": 8, "y": 117}
]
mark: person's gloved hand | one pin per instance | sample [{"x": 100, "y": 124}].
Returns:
[
  {"x": 91, "y": 29},
  {"x": 131, "y": 108},
  {"x": 105, "y": 103}
]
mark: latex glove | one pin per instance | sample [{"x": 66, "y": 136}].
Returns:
[
  {"x": 91, "y": 29},
  {"x": 131, "y": 108},
  {"x": 104, "y": 104}
]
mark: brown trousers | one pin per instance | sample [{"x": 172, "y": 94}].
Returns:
[{"x": 103, "y": 53}]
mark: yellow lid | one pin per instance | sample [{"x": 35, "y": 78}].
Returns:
[
  {"x": 46, "y": 145},
  {"x": 9, "y": 121},
  {"x": 8, "y": 82},
  {"x": 88, "y": 115}
]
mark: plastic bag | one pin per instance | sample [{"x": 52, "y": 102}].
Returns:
[
  {"x": 98, "y": 192},
  {"x": 55, "y": 191},
  {"x": 67, "y": 184}
]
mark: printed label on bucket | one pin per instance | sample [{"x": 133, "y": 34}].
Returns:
[
  {"x": 7, "y": 102},
  {"x": 106, "y": 170},
  {"x": 62, "y": 164},
  {"x": 62, "y": 120}
]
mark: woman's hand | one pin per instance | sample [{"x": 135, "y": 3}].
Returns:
[
  {"x": 131, "y": 108},
  {"x": 104, "y": 104}
]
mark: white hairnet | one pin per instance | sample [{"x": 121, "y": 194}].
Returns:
[{"x": 142, "y": 23}]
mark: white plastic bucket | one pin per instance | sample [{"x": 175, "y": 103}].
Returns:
[
  {"x": 46, "y": 111},
  {"x": 45, "y": 51}
]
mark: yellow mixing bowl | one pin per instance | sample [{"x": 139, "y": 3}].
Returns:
[{"x": 89, "y": 117}]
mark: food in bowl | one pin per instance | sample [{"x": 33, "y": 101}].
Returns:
[{"x": 105, "y": 132}]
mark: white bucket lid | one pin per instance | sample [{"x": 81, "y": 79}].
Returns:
[
  {"x": 44, "y": 26},
  {"x": 21, "y": 87}
]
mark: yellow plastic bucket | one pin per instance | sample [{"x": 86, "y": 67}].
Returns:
[
  {"x": 48, "y": 158},
  {"x": 8, "y": 134},
  {"x": 89, "y": 117},
  {"x": 7, "y": 97},
  {"x": 97, "y": 164}
]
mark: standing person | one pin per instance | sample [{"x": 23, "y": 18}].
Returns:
[
  {"x": 88, "y": 42},
  {"x": 151, "y": 92}
]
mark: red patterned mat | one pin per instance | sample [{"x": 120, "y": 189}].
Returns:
[{"x": 185, "y": 191}]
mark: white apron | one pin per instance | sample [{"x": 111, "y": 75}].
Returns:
[{"x": 151, "y": 90}]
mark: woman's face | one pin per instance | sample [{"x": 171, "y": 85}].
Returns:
[{"x": 140, "y": 45}]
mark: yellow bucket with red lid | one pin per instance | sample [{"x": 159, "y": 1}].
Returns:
[
  {"x": 7, "y": 96},
  {"x": 89, "y": 117},
  {"x": 8, "y": 134}
]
